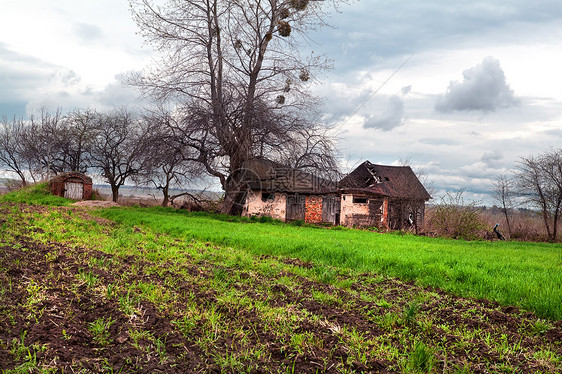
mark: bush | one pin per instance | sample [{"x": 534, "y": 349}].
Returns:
[{"x": 454, "y": 219}]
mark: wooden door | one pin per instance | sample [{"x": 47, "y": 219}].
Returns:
[
  {"x": 331, "y": 209},
  {"x": 295, "y": 207},
  {"x": 73, "y": 190}
]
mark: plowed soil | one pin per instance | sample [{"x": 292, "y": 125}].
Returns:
[{"x": 207, "y": 315}]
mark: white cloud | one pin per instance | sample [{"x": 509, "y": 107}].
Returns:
[
  {"x": 88, "y": 33},
  {"x": 484, "y": 89},
  {"x": 391, "y": 117},
  {"x": 491, "y": 158}
]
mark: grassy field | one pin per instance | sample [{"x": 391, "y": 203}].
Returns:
[
  {"x": 527, "y": 275},
  {"x": 136, "y": 290}
]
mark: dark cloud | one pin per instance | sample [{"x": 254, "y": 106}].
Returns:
[
  {"x": 484, "y": 89},
  {"x": 391, "y": 117},
  {"x": 368, "y": 33}
]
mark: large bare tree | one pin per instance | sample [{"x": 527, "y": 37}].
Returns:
[
  {"x": 540, "y": 180},
  {"x": 235, "y": 73}
]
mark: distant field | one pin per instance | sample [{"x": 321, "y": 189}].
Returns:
[{"x": 528, "y": 275}]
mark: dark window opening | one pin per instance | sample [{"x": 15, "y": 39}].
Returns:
[
  {"x": 386, "y": 179},
  {"x": 266, "y": 196},
  {"x": 359, "y": 200}
]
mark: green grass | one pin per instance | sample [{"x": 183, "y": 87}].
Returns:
[
  {"x": 528, "y": 275},
  {"x": 36, "y": 194},
  {"x": 241, "y": 310},
  {"x": 524, "y": 274}
]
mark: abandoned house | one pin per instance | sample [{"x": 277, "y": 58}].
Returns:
[
  {"x": 371, "y": 195},
  {"x": 290, "y": 194},
  {"x": 72, "y": 185},
  {"x": 382, "y": 196}
]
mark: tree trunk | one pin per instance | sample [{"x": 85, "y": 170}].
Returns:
[
  {"x": 114, "y": 192},
  {"x": 166, "y": 199},
  {"x": 234, "y": 201}
]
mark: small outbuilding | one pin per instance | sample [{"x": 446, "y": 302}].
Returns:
[{"x": 73, "y": 185}]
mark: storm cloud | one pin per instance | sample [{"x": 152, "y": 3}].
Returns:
[{"x": 484, "y": 88}]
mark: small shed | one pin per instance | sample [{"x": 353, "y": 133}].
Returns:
[{"x": 73, "y": 185}]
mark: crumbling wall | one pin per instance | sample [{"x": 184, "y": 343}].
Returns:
[
  {"x": 357, "y": 210},
  {"x": 274, "y": 207}
]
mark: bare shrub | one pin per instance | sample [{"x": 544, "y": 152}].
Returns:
[
  {"x": 453, "y": 218},
  {"x": 526, "y": 225}
]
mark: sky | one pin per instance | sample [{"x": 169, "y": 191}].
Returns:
[{"x": 462, "y": 89}]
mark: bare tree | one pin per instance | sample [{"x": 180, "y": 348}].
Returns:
[
  {"x": 12, "y": 155},
  {"x": 118, "y": 146},
  {"x": 168, "y": 163},
  {"x": 234, "y": 70},
  {"x": 79, "y": 127},
  {"x": 412, "y": 193},
  {"x": 43, "y": 143},
  {"x": 503, "y": 192},
  {"x": 540, "y": 180}
]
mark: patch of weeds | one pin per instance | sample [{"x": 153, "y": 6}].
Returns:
[
  {"x": 420, "y": 359},
  {"x": 389, "y": 321},
  {"x": 326, "y": 298},
  {"x": 154, "y": 293},
  {"x": 344, "y": 284},
  {"x": 548, "y": 356},
  {"x": 300, "y": 342},
  {"x": 410, "y": 313},
  {"x": 27, "y": 355},
  {"x": 127, "y": 304},
  {"x": 160, "y": 350},
  {"x": 138, "y": 335},
  {"x": 229, "y": 362},
  {"x": 220, "y": 275},
  {"x": 89, "y": 278},
  {"x": 187, "y": 324},
  {"x": 100, "y": 330},
  {"x": 36, "y": 294},
  {"x": 426, "y": 325},
  {"x": 110, "y": 290},
  {"x": 540, "y": 327},
  {"x": 66, "y": 335},
  {"x": 323, "y": 274}
]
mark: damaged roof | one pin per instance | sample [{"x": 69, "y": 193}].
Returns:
[
  {"x": 266, "y": 175},
  {"x": 391, "y": 181}
]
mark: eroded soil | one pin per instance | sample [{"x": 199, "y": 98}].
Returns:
[{"x": 97, "y": 308}]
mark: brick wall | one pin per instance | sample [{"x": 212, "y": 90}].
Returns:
[
  {"x": 57, "y": 184},
  {"x": 88, "y": 191},
  {"x": 313, "y": 209}
]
